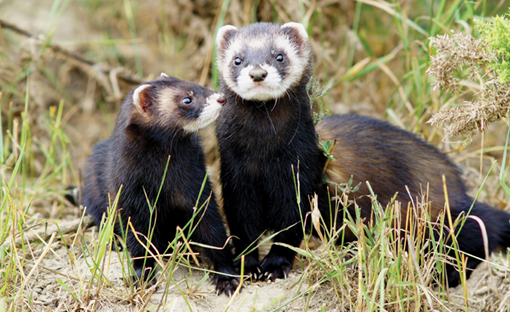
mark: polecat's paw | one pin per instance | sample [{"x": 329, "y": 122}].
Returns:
[
  {"x": 453, "y": 275},
  {"x": 275, "y": 267},
  {"x": 225, "y": 284},
  {"x": 251, "y": 267}
]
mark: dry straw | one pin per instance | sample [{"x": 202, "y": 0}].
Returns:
[
  {"x": 491, "y": 103},
  {"x": 464, "y": 57}
]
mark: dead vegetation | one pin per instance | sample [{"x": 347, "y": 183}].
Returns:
[{"x": 464, "y": 56}]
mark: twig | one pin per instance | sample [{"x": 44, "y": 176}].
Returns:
[
  {"x": 46, "y": 231},
  {"x": 73, "y": 55}
]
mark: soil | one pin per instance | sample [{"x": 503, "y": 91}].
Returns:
[{"x": 62, "y": 281}]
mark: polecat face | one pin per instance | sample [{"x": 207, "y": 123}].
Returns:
[
  {"x": 169, "y": 102},
  {"x": 262, "y": 61}
]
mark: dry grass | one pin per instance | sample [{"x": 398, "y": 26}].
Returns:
[
  {"x": 373, "y": 57},
  {"x": 466, "y": 57}
]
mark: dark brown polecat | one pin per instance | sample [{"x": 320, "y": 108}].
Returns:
[
  {"x": 158, "y": 120},
  {"x": 267, "y": 141}
]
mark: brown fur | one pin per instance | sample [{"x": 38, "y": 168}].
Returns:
[
  {"x": 395, "y": 161},
  {"x": 367, "y": 161}
]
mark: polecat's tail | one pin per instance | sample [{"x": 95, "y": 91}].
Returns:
[
  {"x": 485, "y": 224},
  {"x": 496, "y": 224},
  {"x": 504, "y": 228}
]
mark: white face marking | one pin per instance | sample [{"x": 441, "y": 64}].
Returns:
[
  {"x": 221, "y": 33},
  {"x": 256, "y": 43},
  {"x": 269, "y": 88},
  {"x": 298, "y": 63},
  {"x": 274, "y": 85},
  {"x": 225, "y": 62},
  {"x": 209, "y": 113},
  {"x": 297, "y": 26}
]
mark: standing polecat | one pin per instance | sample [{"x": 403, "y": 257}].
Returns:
[
  {"x": 158, "y": 120},
  {"x": 266, "y": 139},
  {"x": 267, "y": 142}
]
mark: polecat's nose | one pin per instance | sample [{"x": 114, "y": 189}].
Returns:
[
  {"x": 222, "y": 99},
  {"x": 258, "y": 74}
]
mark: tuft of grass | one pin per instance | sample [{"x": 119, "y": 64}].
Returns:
[{"x": 395, "y": 263}]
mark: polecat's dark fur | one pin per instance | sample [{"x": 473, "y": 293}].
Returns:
[
  {"x": 265, "y": 139},
  {"x": 158, "y": 120},
  {"x": 396, "y": 161},
  {"x": 266, "y": 129},
  {"x": 261, "y": 158}
]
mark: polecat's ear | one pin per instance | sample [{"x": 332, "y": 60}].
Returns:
[
  {"x": 142, "y": 98},
  {"x": 223, "y": 36},
  {"x": 163, "y": 75},
  {"x": 297, "y": 33}
]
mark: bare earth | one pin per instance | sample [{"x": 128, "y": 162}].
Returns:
[{"x": 64, "y": 273}]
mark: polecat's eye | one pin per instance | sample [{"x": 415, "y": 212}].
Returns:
[
  {"x": 279, "y": 58},
  {"x": 238, "y": 61},
  {"x": 187, "y": 101}
]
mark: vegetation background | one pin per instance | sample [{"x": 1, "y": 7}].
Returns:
[{"x": 61, "y": 86}]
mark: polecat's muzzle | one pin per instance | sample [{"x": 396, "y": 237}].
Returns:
[{"x": 258, "y": 74}]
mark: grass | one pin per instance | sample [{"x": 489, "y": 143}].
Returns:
[{"x": 372, "y": 56}]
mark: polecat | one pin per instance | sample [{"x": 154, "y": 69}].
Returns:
[
  {"x": 399, "y": 165},
  {"x": 266, "y": 137},
  {"x": 158, "y": 120}
]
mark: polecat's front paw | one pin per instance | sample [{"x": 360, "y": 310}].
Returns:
[
  {"x": 251, "y": 267},
  {"x": 274, "y": 267},
  {"x": 225, "y": 284}
]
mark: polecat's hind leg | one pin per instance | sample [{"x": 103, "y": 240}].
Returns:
[
  {"x": 245, "y": 222},
  {"x": 144, "y": 271},
  {"x": 144, "y": 264},
  {"x": 211, "y": 231}
]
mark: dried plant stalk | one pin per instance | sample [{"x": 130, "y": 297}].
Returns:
[{"x": 460, "y": 55}]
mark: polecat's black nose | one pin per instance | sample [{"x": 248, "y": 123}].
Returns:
[
  {"x": 222, "y": 99},
  {"x": 258, "y": 74}
]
